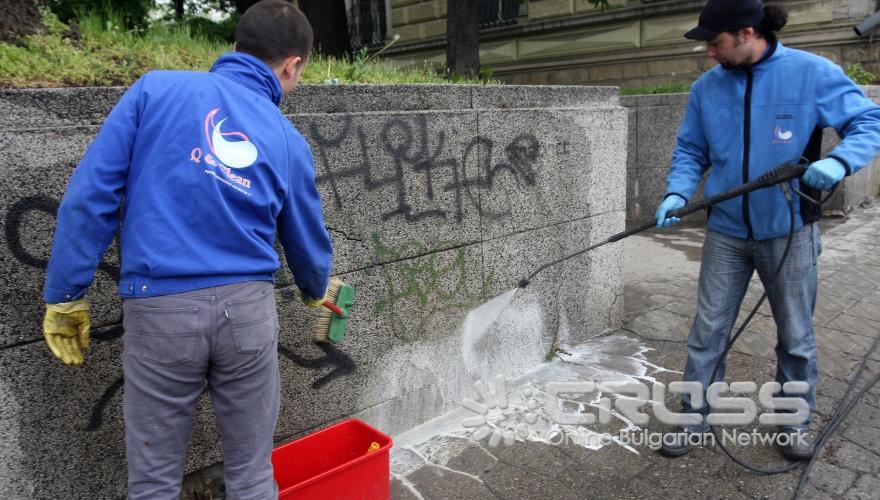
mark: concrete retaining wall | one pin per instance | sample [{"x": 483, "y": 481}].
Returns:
[
  {"x": 437, "y": 198},
  {"x": 653, "y": 125}
]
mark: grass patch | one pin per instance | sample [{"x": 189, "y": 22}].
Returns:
[
  {"x": 859, "y": 74},
  {"x": 666, "y": 88},
  {"x": 101, "y": 53}
]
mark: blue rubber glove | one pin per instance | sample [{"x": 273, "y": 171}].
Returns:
[
  {"x": 672, "y": 202},
  {"x": 824, "y": 174}
]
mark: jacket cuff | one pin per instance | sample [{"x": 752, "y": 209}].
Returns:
[
  {"x": 55, "y": 296},
  {"x": 842, "y": 162}
]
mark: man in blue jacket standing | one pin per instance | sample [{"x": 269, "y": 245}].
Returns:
[
  {"x": 209, "y": 169},
  {"x": 762, "y": 106}
]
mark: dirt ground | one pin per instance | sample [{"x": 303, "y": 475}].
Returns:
[{"x": 19, "y": 18}]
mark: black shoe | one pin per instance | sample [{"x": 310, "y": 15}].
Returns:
[
  {"x": 797, "y": 446},
  {"x": 679, "y": 442}
]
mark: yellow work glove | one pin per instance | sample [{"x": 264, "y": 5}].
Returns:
[
  {"x": 66, "y": 328},
  {"x": 312, "y": 302}
]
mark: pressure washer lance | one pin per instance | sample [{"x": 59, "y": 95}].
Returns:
[{"x": 783, "y": 173}]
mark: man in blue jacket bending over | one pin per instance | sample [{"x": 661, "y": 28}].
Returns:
[
  {"x": 209, "y": 169},
  {"x": 762, "y": 106}
]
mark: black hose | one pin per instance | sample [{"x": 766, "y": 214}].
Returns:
[
  {"x": 839, "y": 414},
  {"x": 843, "y": 408}
]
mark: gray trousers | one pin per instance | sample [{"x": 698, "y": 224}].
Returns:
[{"x": 224, "y": 340}]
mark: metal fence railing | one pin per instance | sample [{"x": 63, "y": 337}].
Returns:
[
  {"x": 366, "y": 23},
  {"x": 498, "y": 12}
]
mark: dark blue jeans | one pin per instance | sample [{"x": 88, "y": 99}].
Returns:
[{"x": 727, "y": 266}]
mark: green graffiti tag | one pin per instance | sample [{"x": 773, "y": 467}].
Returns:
[{"x": 422, "y": 287}]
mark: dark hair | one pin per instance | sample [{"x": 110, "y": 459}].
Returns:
[
  {"x": 272, "y": 30},
  {"x": 775, "y": 17}
]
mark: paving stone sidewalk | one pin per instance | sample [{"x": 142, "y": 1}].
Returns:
[{"x": 660, "y": 296}]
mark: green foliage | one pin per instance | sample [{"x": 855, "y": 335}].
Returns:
[
  {"x": 368, "y": 68},
  {"x": 211, "y": 19},
  {"x": 323, "y": 69},
  {"x": 221, "y": 31},
  {"x": 484, "y": 76},
  {"x": 666, "y": 88},
  {"x": 132, "y": 13},
  {"x": 107, "y": 53},
  {"x": 358, "y": 67},
  {"x": 859, "y": 74}
]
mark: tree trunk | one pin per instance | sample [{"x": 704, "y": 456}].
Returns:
[
  {"x": 328, "y": 21},
  {"x": 462, "y": 37},
  {"x": 178, "y": 9}
]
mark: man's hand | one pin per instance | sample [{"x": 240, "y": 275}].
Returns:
[
  {"x": 66, "y": 329},
  {"x": 824, "y": 174},
  {"x": 672, "y": 202}
]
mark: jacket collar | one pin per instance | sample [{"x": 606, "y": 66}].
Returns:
[
  {"x": 774, "y": 51},
  {"x": 250, "y": 72}
]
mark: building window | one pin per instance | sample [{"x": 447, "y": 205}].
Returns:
[
  {"x": 498, "y": 12},
  {"x": 366, "y": 22}
]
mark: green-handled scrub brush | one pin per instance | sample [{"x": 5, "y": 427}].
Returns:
[{"x": 333, "y": 317}]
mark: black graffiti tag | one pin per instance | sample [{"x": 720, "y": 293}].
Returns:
[
  {"x": 12, "y": 228},
  {"x": 342, "y": 364},
  {"x": 415, "y": 150}
]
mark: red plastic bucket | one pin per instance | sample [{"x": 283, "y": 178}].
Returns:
[{"x": 334, "y": 463}]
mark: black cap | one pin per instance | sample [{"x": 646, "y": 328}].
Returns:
[{"x": 726, "y": 15}]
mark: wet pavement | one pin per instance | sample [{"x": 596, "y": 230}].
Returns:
[{"x": 550, "y": 434}]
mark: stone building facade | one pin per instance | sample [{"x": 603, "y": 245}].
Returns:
[{"x": 633, "y": 43}]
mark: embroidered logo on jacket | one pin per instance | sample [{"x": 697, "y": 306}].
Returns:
[
  {"x": 781, "y": 136},
  {"x": 234, "y": 154},
  {"x": 226, "y": 154}
]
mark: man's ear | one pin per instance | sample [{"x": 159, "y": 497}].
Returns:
[{"x": 290, "y": 65}]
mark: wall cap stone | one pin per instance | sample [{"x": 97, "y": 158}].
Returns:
[{"x": 54, "y": 107}]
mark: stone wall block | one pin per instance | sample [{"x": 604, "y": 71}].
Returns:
[
  {"x": 438, "y": 199},
  {"x": 37, "y": 166},
  {"x": 539, "y": 146}
]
